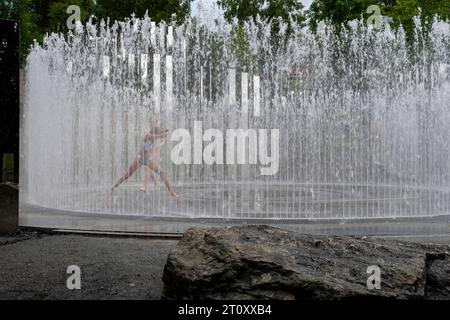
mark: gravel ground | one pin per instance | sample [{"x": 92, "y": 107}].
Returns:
[{"x": 33, "y": 265}]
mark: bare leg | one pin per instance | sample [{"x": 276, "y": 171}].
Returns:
[
  {"x": 153, "y": 166},
  {"x": 144, "y": 185},
  {"x": 154, "y": 158},
  {"x": 153, "y": 176},
  {"x": 131, "y": 169},
  {"x": 148, "y": 172}
]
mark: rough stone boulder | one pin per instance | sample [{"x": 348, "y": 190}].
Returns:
[
  {"x": 9, "y": 197},
  {"x": 438, "y": 277},
  {"x": 262, "y": 262}
]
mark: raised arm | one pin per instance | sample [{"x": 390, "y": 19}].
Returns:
[{"x": 161, "y": 134}]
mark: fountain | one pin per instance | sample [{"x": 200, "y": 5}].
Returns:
[{"x": 363, "y": 120}]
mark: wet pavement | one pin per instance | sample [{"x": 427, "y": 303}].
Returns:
[{"x": 34, "y": 216}]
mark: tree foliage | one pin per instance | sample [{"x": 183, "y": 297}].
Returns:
[
  {"x": 157, "y": 9},
  {"x": 57, "y": 13},
  {"x": 22, "y": 11},
  {"x": 266, "y": 9},
  {"x": 37, "y": 17},
  {"x": 338, "y": 11},
  {"x": 401, "y": 12}
]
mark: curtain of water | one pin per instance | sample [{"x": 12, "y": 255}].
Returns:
[{"x": 363, "y": 119}]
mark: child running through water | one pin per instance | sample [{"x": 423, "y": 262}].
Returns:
[
  {"x": 147, "y": 157},
  {"x": 148, "y": 172}
]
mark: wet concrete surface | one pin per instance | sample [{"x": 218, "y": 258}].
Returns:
[
  {"x": 34, "y": 216},
  {"x": 34, "y": 266},
  {"x": 123, "y": 257}
]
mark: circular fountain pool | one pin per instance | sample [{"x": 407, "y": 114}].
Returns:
[
  {"x": 270, "y": 201},
  {"x": 321, "y": 130}
]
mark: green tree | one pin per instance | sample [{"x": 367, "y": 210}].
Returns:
[
  {"x": 157, "y": 9},
  {"x": 52, "y": 14},
  {"x": 339, "y": 11},
  {"x": 57, "y": 13},
  {"x": 266, "y": 9},
  {"x": 22, "y": 11},
  {"x": 401, "y": 11},
  {"x": 243, "y": 10},
  {"x": 37, "y": 17}
]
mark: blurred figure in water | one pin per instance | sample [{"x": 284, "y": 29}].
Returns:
[{"x": 151, "y": 143}]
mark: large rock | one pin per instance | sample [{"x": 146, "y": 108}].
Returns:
[
  {"x": 262, "y": 262},
  {"x": 438, "y": 277},
  {"x": 9, "y": 197}
]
